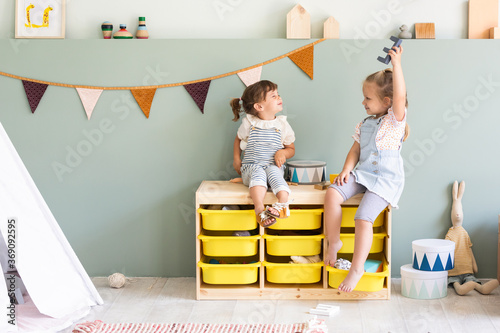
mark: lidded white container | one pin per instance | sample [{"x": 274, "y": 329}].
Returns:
[
  {"x": 433, "y": 255},
  {"x": 423, "y": 284}
]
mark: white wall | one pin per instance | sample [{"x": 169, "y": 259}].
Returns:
[{"x": 254, "y": 18}]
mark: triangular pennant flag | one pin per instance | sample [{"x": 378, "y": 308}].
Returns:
[
  {"x": 34, "y": 92},
  {"x": 89, "y": 98},
  {"x": 144, "y": 98},
  {"x": 305, "y": 60},
  {"x": 199, "y": 92},
  {"x": 251, "y": 76}
]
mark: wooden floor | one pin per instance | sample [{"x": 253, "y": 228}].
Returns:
[{"x": 169, "y": 300}]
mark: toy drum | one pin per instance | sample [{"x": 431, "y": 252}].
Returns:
[
  {"x": 423, "y": 285},
  {"x": 306, "y": 172},
  {"x": 433, "y": 254}
]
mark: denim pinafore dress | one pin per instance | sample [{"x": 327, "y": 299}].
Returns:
[{"x": 380, "y": 171}]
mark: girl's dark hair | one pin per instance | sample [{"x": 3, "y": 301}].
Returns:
[
  {"x": 383, "y": 80},
  {"x": 254, "y": 93}
]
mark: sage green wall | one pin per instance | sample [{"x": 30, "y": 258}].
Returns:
[{"x": 124, "y": 192}]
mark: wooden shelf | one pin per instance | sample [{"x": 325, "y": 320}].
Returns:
[{"x": 226, "y": 193}]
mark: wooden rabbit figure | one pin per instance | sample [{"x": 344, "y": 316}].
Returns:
[{"x": 461, "y": 277}]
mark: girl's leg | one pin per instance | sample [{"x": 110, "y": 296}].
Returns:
[
  {"x": 254, "y": 177},
  {"x": 363, "y": 237},
  {"x": 369, "y": 208},
  {"x": 257, "y": 193},
  {"x": 277, "y": 182},
  {"x": 332, "y": 219}
]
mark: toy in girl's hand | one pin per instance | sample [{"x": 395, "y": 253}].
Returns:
[
  {"x": 387, "y": 59},
  {"x": 461, "y": 277}
]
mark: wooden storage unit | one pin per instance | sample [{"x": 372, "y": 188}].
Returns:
[{"x": 225, "y": 193}]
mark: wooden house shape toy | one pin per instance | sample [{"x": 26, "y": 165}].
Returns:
[
  {"x": 331, "y": 29},
  {"x": 298, "y": 23}
]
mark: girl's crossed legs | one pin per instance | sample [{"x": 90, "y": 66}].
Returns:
[{"x": 369, "y": 208}]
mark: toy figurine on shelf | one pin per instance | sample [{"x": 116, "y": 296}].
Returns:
[
  {"x": 142, "y": 32},
  {"x": 107, "y": 29},
  {"x": 123, "y": 33},
  {"x": 461, "y": 277},
  {"x": 405, "y": 32}
]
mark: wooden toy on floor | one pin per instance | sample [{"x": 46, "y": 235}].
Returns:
[
  {"x": 387, "y": 58},
  {"x": 325, "y": 310}
]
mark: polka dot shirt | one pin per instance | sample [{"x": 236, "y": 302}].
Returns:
[{"x": 390, "y": 133}]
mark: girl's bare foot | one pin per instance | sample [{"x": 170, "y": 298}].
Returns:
[
  {"x": 331, "y": 252},
  {"x": 351, "y": 280}
]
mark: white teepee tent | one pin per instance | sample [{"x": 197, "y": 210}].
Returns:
[{"x": 60, "y": 291}]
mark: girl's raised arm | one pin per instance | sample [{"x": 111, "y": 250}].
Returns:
[{"x": 399, "y": 86}]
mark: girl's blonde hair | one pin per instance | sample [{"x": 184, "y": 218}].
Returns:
[
  {"x": 383, "y": 80},
  {"x": 254, "y": 93}
]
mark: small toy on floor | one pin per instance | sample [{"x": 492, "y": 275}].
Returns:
[
  {"x": 316, "y": 325},
  {"x": 325, "y": 310}
]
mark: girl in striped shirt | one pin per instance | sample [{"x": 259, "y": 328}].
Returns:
[{"x": 267, "y": 141}]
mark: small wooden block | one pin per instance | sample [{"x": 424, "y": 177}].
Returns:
[
  {"x": 483, "y": 15},
  {"x": 425, "y": 31},
  {"x": 322, "y": 186},
  {"x": 292, "y": 183},
  {"x": 495, "y": 33},
  {"x": 331, "y": 28},
  {"x": 298, "y": 23}
]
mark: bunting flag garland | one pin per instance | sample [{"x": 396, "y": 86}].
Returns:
[
  {"x": 251, "y": 76},
  {"x": 34, "y": 93},
  {"x": 303, "y": 57},
  {"x": 305, "y": 60},
  {"x": 144, "y": 98},
  {"x": 199, "y": 92},
  {"x": 89, "y": 98}
]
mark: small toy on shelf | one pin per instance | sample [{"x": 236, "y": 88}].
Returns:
[
  {"x": 405, "y": 32},
  {"x": 298, "y": 23},
  {"x": 142, "y": 32},
  {"x": 331, "y": 28},
  {"x": 462, "y": 276},
  {"x": 107, "y": 30},
  {"x": 123, "y": 33},
  {"x": 425, "y": 31},
  {"x": 387, "y": 58}
]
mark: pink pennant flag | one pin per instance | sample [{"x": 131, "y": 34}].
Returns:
[
  {"x": 251, "y": 76},
  {"x": 34, "y": 93},
  {"x": 199, "y": 92},
  {"x": 89, "y": 98}
]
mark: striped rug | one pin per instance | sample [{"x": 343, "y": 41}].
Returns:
[{"x": 100, "y": 327}]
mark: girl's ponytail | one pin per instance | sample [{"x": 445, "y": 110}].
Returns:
[{"x": 236, "y": 107}]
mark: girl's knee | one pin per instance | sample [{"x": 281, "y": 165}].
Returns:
[{"x": 333, "y": 196}]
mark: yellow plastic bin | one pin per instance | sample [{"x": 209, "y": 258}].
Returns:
[
  {"x": 293, "y": 273},
  {"x": 300, "y": 219},
  {"x": 293, "y": 245},
  {"x": 237, "y": 246},
  {"x": 348, "y": 214},
  {"x": 348, "y": 243},
  {"x": 229, "y": 273},
  {"x": 228, "y": 219},
  {"x": 370, "y": 282}
]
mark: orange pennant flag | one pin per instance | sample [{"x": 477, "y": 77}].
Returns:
[
  {"x": 305, "y": 60},
  {"x": 144, "y": 98}
]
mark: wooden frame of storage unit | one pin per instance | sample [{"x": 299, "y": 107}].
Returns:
[{"x": 227, "y": 193}]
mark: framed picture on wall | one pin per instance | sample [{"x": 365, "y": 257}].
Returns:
[{"x": 40, "y": 18}]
